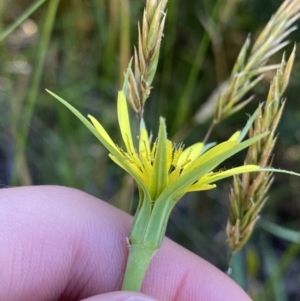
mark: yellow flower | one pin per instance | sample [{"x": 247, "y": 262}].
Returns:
[
  {"x": 166, "y": 166},
  {"x": 164, "y": 171}
]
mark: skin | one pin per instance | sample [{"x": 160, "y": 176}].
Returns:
[{"x": 58, "y": 243}]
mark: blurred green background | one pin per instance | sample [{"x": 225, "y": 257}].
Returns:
[{"x": 79, "y": 49}]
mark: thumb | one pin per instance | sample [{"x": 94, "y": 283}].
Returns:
[{"x": 121, "y": 296}]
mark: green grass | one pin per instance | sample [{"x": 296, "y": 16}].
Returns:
[{"x": 81, "y": 55}]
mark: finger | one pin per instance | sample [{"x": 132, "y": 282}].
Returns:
[{"x": 59, "y": 243}]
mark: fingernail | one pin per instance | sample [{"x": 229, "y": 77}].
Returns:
[{"x": 138, "y": 298}]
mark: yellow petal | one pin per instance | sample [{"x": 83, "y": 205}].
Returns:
[
  {"x": 177, "y": 151},
  {"x": 124, "y": 123},
  {"x": 132, "y": 169},
  {"x": 235, "y": 136},
  {"x": 190, "y": 154},
  {"x": 101, "y": 131},
  {"x": 213, "y": 152},
  {"x": 228, "y": 173},
  {"x": 144, "y": 144},
  {"x": 147, "y": 168},
  {"x": 169, "y": 153}
]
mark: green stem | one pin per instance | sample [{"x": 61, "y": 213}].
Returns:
[
  {"x": 31, "y": 98},
  {"x": 21, "y": 19},
  {"x": 137, "y": 264},
  {"x": 146, "y": 237},
  {"x": 190, "y": 85}
]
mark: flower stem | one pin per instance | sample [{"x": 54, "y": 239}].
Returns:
[{"x": 139, "y": 259}]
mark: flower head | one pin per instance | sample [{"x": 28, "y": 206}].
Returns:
[
  {"x": 165, "y": 166},
  {"x": 165, "y": 171}
]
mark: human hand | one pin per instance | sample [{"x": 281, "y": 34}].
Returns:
[{"x": 58, "y": 243}]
